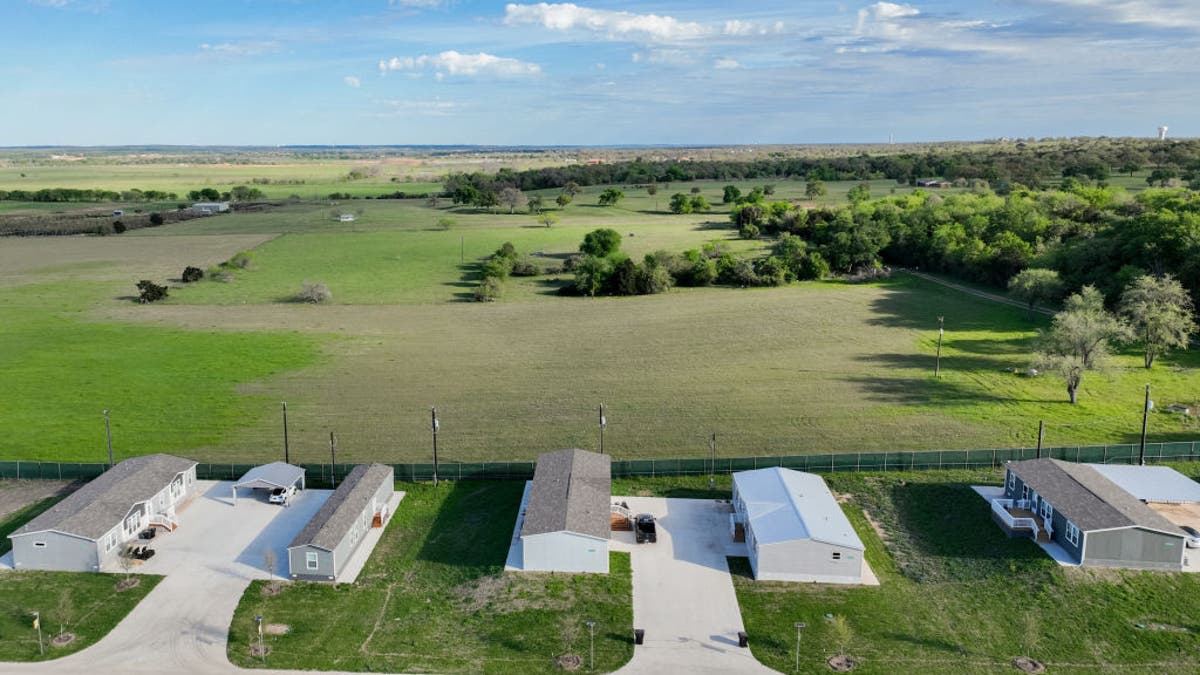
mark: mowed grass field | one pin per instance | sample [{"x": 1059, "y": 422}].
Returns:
[
  {"x": 809, "y": 368},
  {"x": 434, "y": 597}
]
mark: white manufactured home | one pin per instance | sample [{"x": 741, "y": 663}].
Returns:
[
  {"x": 88, "y": 530},
  {"x": 566, "y": 521},
  {"x": 794, "y": 529}
]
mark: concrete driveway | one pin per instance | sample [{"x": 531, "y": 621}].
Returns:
[{"x": 682, "y": 592}]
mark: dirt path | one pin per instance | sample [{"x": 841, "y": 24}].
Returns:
[
  {"x": 17, "y": 494},
  {"x": 978, "y": 293}
]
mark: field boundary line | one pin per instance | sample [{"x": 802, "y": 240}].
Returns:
[{"x": 977, "y": 293}]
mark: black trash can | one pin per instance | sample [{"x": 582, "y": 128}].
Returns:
[
  {"x": 639, "y": 635},
  {"x": 743, "y": 639}
]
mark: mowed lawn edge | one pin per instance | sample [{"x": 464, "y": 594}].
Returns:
[{"x": 434, "y": 597}]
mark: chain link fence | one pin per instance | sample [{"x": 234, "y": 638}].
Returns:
[{"x": 325, "y": 475}]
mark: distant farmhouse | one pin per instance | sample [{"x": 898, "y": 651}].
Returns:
[
  {"x": 566, "y": 516},
  {"x": 321, "y": 550},
  {"x": 794, "y": 529},
  {"x": 88, "y": 530},
  {"x": 210, "y": 208},
  {"x": 1090, "y": 512}
]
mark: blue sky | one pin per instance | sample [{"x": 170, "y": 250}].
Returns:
[{"x": 104, "y": 72}]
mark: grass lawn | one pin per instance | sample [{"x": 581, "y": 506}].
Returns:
[
  {"x": 86, "y": 605},
  {"x": 434, "y": 598},
  {"x": 169, "y": 389},
  {"x": 958, "y": 596}
]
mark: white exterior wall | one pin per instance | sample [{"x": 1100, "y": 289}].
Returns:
[
  {"x": 564, "y": 552},
  {"x": 807, "y": 560}
]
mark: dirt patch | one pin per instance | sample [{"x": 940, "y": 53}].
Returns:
[
  {"x": 259, "y": 651},
  {"x": 17, "y": 494},
  {"x": 62, "y": 639},
  {"x": 126, "y": 584},
  {"x": 511, "y": 592},
  {"x": 842, "y": 663},
  {"x": 1180, "y": 514},
  {"x": 875, "y": 526},
  {"x": 1170, "y": 628},
  {"x": 843, "y": 497},
  {"x": 569, "y": 661},
  {"x": 277, "y": 629},
  {"x": 1028, "y": 665},
  {"x": 272, "y": 589}
]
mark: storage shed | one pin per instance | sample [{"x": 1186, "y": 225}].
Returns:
[
  {"x": 322, "y": 549},
  {"x": 1093, "y": 519},
  {"x": 88, "y": 530},
  {"x": 269, "y": 477},
  {"x": 566, "y": 523},
  {"x": 794, "y": 528}
]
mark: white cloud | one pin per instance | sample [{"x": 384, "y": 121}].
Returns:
[
  {"x": 51, "y": 3},
  {"x": 726, "y": 64},
  {"x": 627, "y": 26},
  {"x": 352, "y": 81},
  {"x": 1157, "y": 13},
  {"x": 406, "y": 107},
  {"x": 745, "y": 28},
  {"x": 249, "y": 48},
  {"x": 888, "y": 26},
  {"x": 454, "y": 64}
]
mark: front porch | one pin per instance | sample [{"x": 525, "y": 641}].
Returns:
[{"x": 1015, "y": 518}]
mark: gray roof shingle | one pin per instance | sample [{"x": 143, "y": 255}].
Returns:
[
  {"x": 103, "y": 503},
  {"x": 1086, "y": 497},
  {"x": 572, "y": 492},
  {"x": 333, "y": 520}
]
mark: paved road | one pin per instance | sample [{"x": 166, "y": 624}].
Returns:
[
  {"x": 978, "y": 293},
  {"x": 682, "y": 592}
]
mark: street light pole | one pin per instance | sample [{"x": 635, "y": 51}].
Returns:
[
  {"x": 1145, "y": 422},
  {"x": 37, "y": 623},
  {"x": 799, "y": 625},
  {"x": 286, "y": 456},
  {"x": 937, "y": 368},
  {"x": 603, "y": 423},
  {"x": 262, "y": 652},
  {"x": 712, "y": 464},
  {"x": 592, "y": 638},
  {"x": 332, "y": 460},
  {"x": 434, "y": 425},
  {"x": 108, "y": 435}
]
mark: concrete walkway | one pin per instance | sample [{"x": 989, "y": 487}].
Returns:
[{"x": 682, "y": 593}]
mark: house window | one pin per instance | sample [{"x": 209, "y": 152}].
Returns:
[
  {"x": 1012, "y": 481},
  {"x": 39, "y": 544},
  {"x": 1047, "y": 510},
  {"x": 110, "y": 542},
  {"x": 1072, "y": 533},
  {"x": 837, "y": 555},
  {"x": 311, "y": 561},
  {"x": 1024, "y": 492}
]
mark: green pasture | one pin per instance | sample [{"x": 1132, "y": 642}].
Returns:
[
  {"x": 86, "y": 605},
  {"x": 957, "y": 596},
  {"x": 434, "y": 597}
]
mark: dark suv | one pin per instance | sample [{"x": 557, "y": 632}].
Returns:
[{"x": 644, "y": 528}]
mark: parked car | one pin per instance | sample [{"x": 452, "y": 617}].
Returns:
[
  {"x": 1193, "y": 536},
  {"x": 282, "y": 495},
  {"x": 644, "y": 528}
]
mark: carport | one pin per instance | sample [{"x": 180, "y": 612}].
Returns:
[{"x": 271, "y": 476}]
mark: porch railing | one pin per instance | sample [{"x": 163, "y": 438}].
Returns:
[{"x": 1001, "y": 506}]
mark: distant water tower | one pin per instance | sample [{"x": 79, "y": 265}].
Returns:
[{"x": 1162, "y": 133}]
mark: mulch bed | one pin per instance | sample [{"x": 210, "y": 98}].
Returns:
[
  {"x": 258, "y": 652},
  {"x": 62, "y": 639},
  {"x": 569, "y": 661},
  {"x": 126, "y": 584},
  {"x": 841, "y": 663},
  {"x": 272, "y": 588}
]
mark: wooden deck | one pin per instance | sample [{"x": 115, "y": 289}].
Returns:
[{"x": 1025, "y": 513}]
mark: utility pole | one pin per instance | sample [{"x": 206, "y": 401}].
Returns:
[
  {"x": 937, "y": 368},
  {"x": 603, "y": 423},
  {"x": 1041, "y": 436},
  {"x": 462, "y": 250},
  {"x": 712, "y": 464},
  {"x": 434, "y": 425},
  {"x": 108, "y": 435},
  {"x": 332, "y": 461},
  {"x": 1145, "y": 422},
  {"x": 286, "y": 456},
  {"x": 262, "y": 652},
  {"x": 799, "y": 626}
]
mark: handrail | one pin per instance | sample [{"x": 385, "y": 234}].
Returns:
[{"x": 1001, "y": 506}]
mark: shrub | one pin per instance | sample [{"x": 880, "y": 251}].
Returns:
[
  {"x": 770, "y": 271},
  {"x": 497, "y": 268},
  {"x": 813, "y": 266},
  {"x": 524, "y": 267},
  {"x": 241, "y": 259},
  {"x": 118, "y": 226},
  {"x": 191, "y": 274},
  {"x": 653, "y": 278},
  {"x": 601, "y": 243},
  {"x": 866, "y": 274},
  {"x": 736, "y": 271},
  {"x": 148, "y": 291},
  {"x": 572, "y": 262},
  {"x": 488, "y": 290},
  {"x": 156, "y": 219},
  {"x": 507, "y": 250},
  {"x": 748, "y": 231},
  {"x": 218, "y": 273},
  {"x": 314, "y": 292},
  {"x": 624, "y": 278}
]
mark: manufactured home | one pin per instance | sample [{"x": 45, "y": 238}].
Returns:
[
  {"x": 89, "y": 529},
  {"x": 322, "y": 549},
  {"x": 794, "y": 529},
  {"x": 566, "y": 519}
]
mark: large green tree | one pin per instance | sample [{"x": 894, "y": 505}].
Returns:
[
  {"x": 1161, "y": 314},
  {"x": 601, "y": 243},
  {"x": 1036, "y": 285},
  {"x": 1080, "y": 338}
]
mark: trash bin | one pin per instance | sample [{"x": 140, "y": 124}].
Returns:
[
  {"x": 639, "y": 634},
  {"x": 743, "y": 639}
]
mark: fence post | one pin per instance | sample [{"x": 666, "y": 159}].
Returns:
[{"x": 18, "y": 469}]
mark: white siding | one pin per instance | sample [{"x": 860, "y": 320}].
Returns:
[
  {"x": 807, "y": 560},
  {"x": 564, "y": 552}
]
